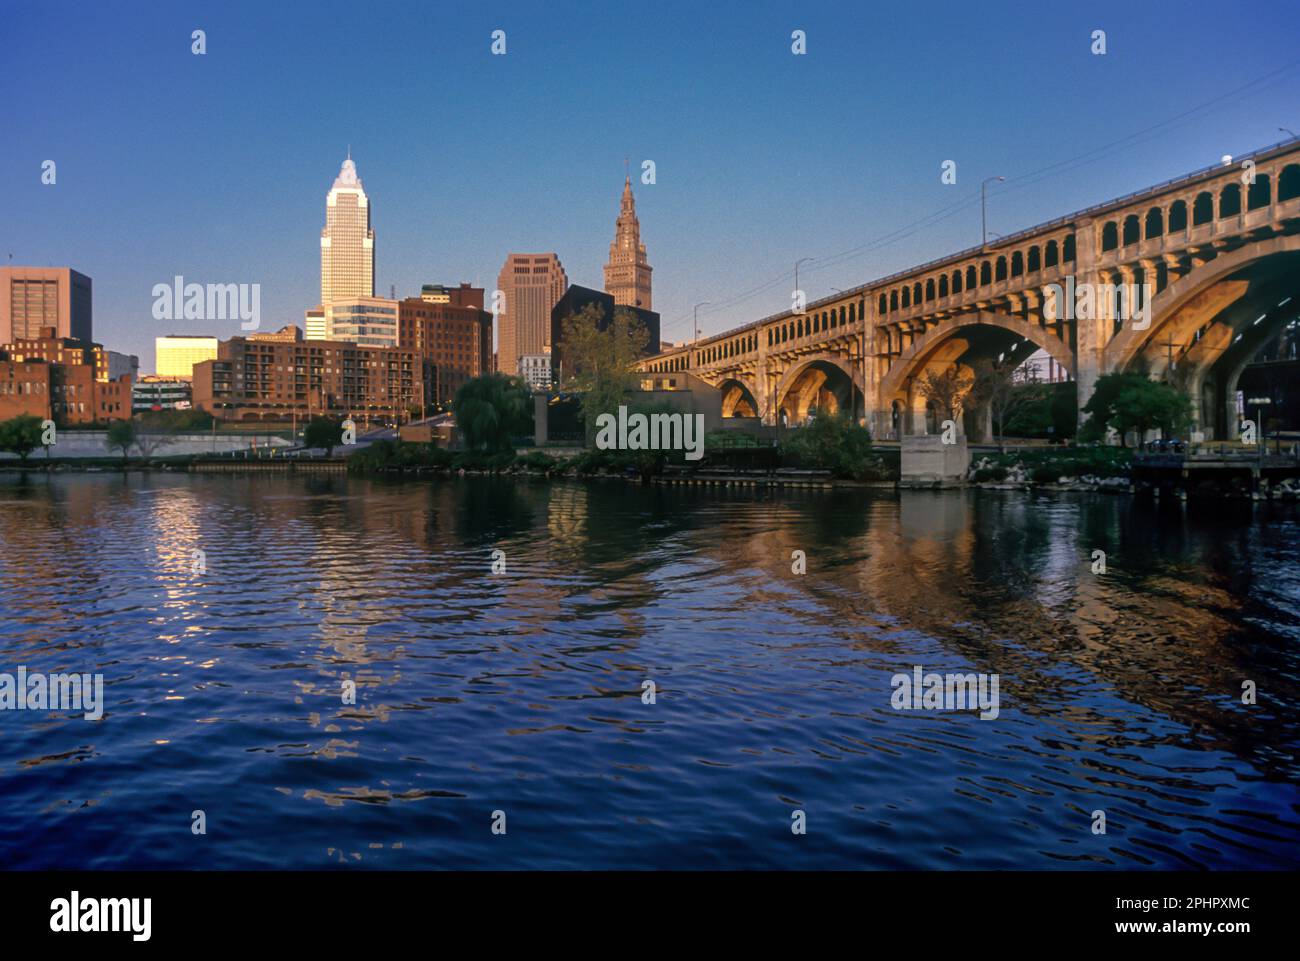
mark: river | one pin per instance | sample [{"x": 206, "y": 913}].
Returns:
[{"x": 516, "y": 697}]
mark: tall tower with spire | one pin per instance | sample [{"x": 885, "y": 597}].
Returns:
[
  {"x": 347, "y": 244},
  {"x": 627, "y": 275}
]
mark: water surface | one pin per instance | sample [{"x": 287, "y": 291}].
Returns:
[{"x": 521, "y": 691}]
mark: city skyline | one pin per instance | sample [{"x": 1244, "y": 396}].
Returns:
[{"x": 746, "y": 183}]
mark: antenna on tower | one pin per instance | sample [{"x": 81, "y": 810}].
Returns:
[{"x": 392, "y": 291}]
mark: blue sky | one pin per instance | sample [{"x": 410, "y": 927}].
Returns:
[{"x": 216, "y": 167}]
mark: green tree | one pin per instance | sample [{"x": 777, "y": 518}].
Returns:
[
  {"x": 1134, "y": 402},
  {"x": 832, "y": 442},
  {"x": 599, "y": 362},
  {"x": 1011, "y": 391},
  {"x": 21, "y": 435},
  {"x": 323, "y": 432},
  {"x": 491, "y": 410},
  {"x": 121, "y": 436}
]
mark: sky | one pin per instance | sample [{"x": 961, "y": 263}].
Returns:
[{"x": 216, "y": 167}]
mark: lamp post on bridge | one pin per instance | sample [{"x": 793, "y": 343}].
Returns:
[
  {"x": 984, "y": 224},
  {"x": 801, "y": 260},
  {"x": 696, "y": 342}
]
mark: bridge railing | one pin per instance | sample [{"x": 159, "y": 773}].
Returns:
[{"x": 1019, "y": 235}]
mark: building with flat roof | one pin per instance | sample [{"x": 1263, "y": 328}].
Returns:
[
  {"x": 119, "y": 364},
  {"x": 152, "y": 392},
  {"x": 453, "y": 335},
  {"x": 32, "y": 298},
  {"x": 530, "y": 285},
  {"x": 535, "y": 370},
  {"x": 573, "y": 302},
  {"x": 274, "y": 378},
  {"x": 368, "y": 321},
  {"x": 176, "y": 354},
  {"x": 314, "y": 323},
  {"x": 62, "y": 379}
]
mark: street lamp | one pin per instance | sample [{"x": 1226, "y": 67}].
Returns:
[
  {"x": 703, "y": 303},
  {"x": 1288, "y": 131},
  {"x": 801, "y": 260},
  {"x": 984, "y": 230}
]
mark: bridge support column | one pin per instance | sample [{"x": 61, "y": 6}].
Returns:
[{"x": 1091, "y": 336}]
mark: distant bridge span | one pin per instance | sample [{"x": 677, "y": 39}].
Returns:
[{"x": 1222, "y": 256}]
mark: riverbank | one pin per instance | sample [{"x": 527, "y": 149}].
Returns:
[{"x": 1055, "y": 470}]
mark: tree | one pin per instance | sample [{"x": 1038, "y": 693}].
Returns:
[
  {"x": 1134, "y": 402},
  {"x": 830, "y": 441},
  {"x": 121, "y": 436},
  {"x": 492, "y": 410},
  {"x": 948, "y": 389},
  {"x": 600, "y": 361},
  {"x": 323, "y": 432},
  {"x": 1009, "y": 388},
  {"x": 21, "y": 435},
  {"x": 156, "y": 430}
]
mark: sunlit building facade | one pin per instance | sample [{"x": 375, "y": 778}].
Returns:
[
  {"x": 176, "y": 354},
  {"x": 530, "y": 285},
  {"x": 32, "y": 298},
  {"x": 347, "y": 244}
]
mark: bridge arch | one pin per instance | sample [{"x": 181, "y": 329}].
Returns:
[
  {"x": 1207, "y": 326},
  {"x": 917, "y": 356},
  {"x": 950, "y": 343},
  {"x": 824, "y": 380},
  {"x": 739, "y": 398},
  {"x": 1167, "y": 305}
]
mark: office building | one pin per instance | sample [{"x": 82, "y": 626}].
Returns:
[
  {"x": 574, "y": 301},
  {"x": 33, "y": 298},
  {"x": 276, "y": 377},
  {"x": 530, "y": 285},
  {"x": 535, "y": 370},
  {"x": 347, "y": 244},
  {"x": 368, "y": 321},
  {"x": 452, "y": 333},
  {"x": 60, "y": 379},
  {"x": 314, "y": 323},
  {"x": 176, "y": 354}
]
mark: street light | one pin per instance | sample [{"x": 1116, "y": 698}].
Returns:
[
  {"x": 984, "y": 229},
  {"x": 703, "y": 303},
  {"x": 1288, "y": 131},
  {"x": 801, "y": 260}
]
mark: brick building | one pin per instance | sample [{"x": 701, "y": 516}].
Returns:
[
  {"x": 62, "y": 379},
  {"x": 276, "y": 376},
  {"x": 452, "y": 333}
]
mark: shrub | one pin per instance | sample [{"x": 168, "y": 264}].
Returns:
[
  {"x": 1045, "y": 475},
  {"x": 830, "y": 442}
]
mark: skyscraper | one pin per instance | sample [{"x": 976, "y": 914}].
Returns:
[
  {"x": 531, "y": 284},
  {"x": 347, "y": 244},
  {"x": 32, "y": 298},
  {"x": 627, "y": 275}
]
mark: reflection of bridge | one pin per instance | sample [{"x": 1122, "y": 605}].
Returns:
[{"x": 1222, "y": 257}]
